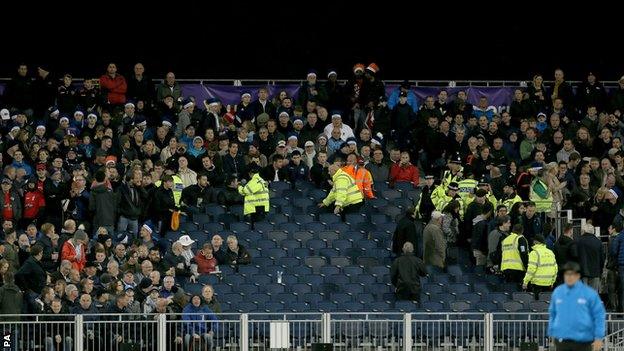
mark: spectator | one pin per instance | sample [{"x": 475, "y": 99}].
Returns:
[
  {"x": 345, "y": 194},
  {"x": 236, "y": 254},
  {"x": 434, "y": 243},
  {"x": 590, "y": 257},
  {"x": 74, "y": 250},
  {"x": 230, "y": 196},
  {"x": 297, "y": 170},
  {"x": 405, "y": 274},
  {"x": 210, "y": 300},
  {"x": 10, "y": 296},
  {"x": 479, "y": 241},
  {"x": 132, "y": 199},
  {"x": 169, "y": 87},
  {"x": 196, "y": 330},
  {"x": 31, "y": 277},
  {"x": 187, "y": 175},
  {"x": 495, "y": 238},
  {"x": 336, "y": 123},
  {"x": 566, "y": 248},
  {"x": 404, "y": 171},
  {"x": 164, "y": 203},
  {"x": 102, "y": 203},
  {"x": 541, "y": 271},
  {"x": 405, "y": 231},
  {"x": 113, "y": 86},
  {"x": 205, "y": 260},
  {"x": 10, "y": 201},
  {"x": 275, "y": 172},
  {"x": 218, "y": 250}
]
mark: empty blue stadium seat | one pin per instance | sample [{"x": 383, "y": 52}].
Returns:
[
  {"x": 301, "y": 288},
  {"x": 312, "y": 298},
  {"x": 214, "y": 211},
  {"x": 246, "y": 306},
  {"x": 367, "y": 262},
  {"x": 330, "y": 270},
  {"x": 458, "y": 288},
  {"x": 432, "y": 306},
  {"x": 247, "y": 289},
  {"x": 390, "y": 194},
  {"x": 289, "y": 261},
  {"x": 338, "y": 279},
  {"x": 259, "y": 298},
  {"x": 328, "y": 253},
  {"x": 315, "y": 263},
  {"x": 277, "y": 235},
  {"x": 340, "y": 261},
  {"x": 378, "y": 306},
  {"x": 314, "y": 226},
  {"x": 353, "y": 288},
  {"x": 227, "y": 218},
  {"x": 290, "y": 244},
  {"x": 286, "y": 298},
  {"x": 263, "y": 227},
  {"x": 498, "y": 298},
  {"x": 302, "y": 252},
  {"x": 213, "y": 228},
  {"x": 316, "y": 245},
  {"x": 265, "y": 244},
  {"x": 538, "y": 306},
  {"x": 364, "y": 279},
  {"x": 261, "y": 279},
  {"x": 289, "y": 227},
  {"x": 340, "y": 298},
  {"x": 472, "y": 298},
  {"x": 379, "y": 219},
  {"x": 248, "y": 270},
  {"x": 232, "y": 298},
  {"x": 275, "y": 253},
  {"x": 272, "y": 307},
  {"x": 328, "y": 235},
  {"x": 524, "y": 298},
  {"x": 263, "y": 261},
  {"x": 352, "y": 306},
  {"x": 460, "y": 306},
  {"x": 365, "y": 244},
  {"x": 303, "y": 218},
  {"x": 329, "y": 218},
  {"x": 512, "y": 306},
  {"x": 485, "y": 306},
  {"x": 312, "y": 279},
  {"x": 352, "y": 270},
  {"x": 342, "y": 244},
  {"x": 272, "y": 288},
  {"x": 326, "y": 306},
  {"x": 277, "y": 218},
  {"x": 297, "y": 307}
]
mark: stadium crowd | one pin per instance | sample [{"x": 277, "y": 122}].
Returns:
[{"x": 95, "y": 174}]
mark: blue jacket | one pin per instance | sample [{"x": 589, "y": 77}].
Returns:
[
  {"x": 393, "y": 100},
  {"x": 193, "y": 315},
  {"x": 616, "y": 249},
  {"x": 576, "y": 313}
]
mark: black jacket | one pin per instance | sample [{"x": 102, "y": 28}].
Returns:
[
  {"x": 19, "y": 92},
  {"x": 141, "y": 90},
  {"x": 229, "y": 196},
  {"x": 590, "y": 256},
  {"x": 128, "y": 207},
  {"x": 234, "y": 166},
  {"x": 191, "y": 195},
  {"x": 242, "y": 257},
  {"x": 48, "y": 249},
  {"x": 163, "y": 202},
  {"x": 178, "y": 262},
  {"x": 405, "y": 231},
  {"x": 31, "y": 276},
  {"x": 268, "y": 173},
  {"x": 268, "y": 108},
  {"x": 565, "y": 251},
  {"x": 103, "y": 205},
  {"x": 480, "y": 234},
  {"x": 405, "y": 274}
]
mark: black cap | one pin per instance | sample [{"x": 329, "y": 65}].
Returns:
[
  {"x": 483, "y": 181},
  {"x": 456, "y": 158},
  {"x": 429, "y": 176},
  {"x": 480, "y": 193},
  {"x": 145, "y": 283},
  {"x": 571, "y": 266},
  {"x": 453, "y": 186},
  {"x": 403, "y": 94}
]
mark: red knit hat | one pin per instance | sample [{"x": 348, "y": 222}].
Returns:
[
  {"x": 358, "y": 67},
  {"x": 372, "y": 67}
]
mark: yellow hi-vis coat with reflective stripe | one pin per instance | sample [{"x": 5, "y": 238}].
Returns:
[
  {"x": 511, "y": 259},
  {"x": 344, "y": 192},
  {"x": 256, "y": 193},
  {"x": 542, "y": 269},
  {"x": 178, "y": 186}
]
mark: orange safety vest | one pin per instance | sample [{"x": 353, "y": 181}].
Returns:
[{"x": 363, "y": 180}]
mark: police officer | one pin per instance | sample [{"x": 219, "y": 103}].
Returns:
[
  {"x": 577, "y": 315},
  {"x": 441, "y": 198},
  {"x": 542, "y": 268},
  {"x": 256, "y": 193},
  {"x": 454, "y": 173},
  {"x": 510, "y": 197},
  {"x": 345, "y": 194},
  {"x": 514, "y": 255}
]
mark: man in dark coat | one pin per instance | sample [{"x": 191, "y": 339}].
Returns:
[
  {"x": 405, "y": 231},
  {"x": 10, "y": 296},
  {"x": 164, "y": 203},
  {"x": 480, "y": 233},
  {"x": 31, "y": 277},
  {"x": 565, "y": 249},
  {"x": 103, "y": 203},
  {"x": 590, "y": 257},
  {"x": 405, "y": 274}
]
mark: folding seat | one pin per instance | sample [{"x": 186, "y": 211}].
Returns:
[
  {"x": 287, "y": 279},
  {"x": 387, "y": 228},
  {"x": 252, "y": 235},
  {"x": 302, "y": 252},
  {"x": 431, "y": 306},
  {"x": 538, "y": 306},
  {"x": 328, "y": 235},
  {"x": 246, "y": 306},
  {"x": 377, "y": 288},
  {"x": 227, "y": 271},
  {"x": 289, "y": 227},
  {"x": 353, "y": 235},
  {"x": 263, "y": 261},
  {"x": 315, "y": 263},
  {"x": 277, "y": 218},
  {"x": 481, "y": 288},
  {"x": 277, "y": 235},
  {"x": 364, "y": 279},
  {"x": 286, "y": 298},
  {"x": 338, "y": 279},
  {"x": 263, "y": 227},
  {"x": 200, "y": 218},
  {"x": 365, "y": 298},
  {"x": 289, "y": 244},
  {"x": 279, "y": 186},
  {"x": 199, "y": 236},
  {"x": 265, "y": 244},
  {"x": 329, "y": 218},
  {"x": 273, "y": 306},
  {"x": 214, "y": 211},
  {"x": 193, "y": 288},
  {"x": 314, "y": 226},
  {"x": 472, "y": 298},
  {"x": 524, "y": 298},
  {"x": 248, "y": 270},
  {"x": 312, "y": 298},
  {"x": 261, "y": 279},
  {"x": 340, "y": 298},
  {"x": 442, "y": 278},
  {"x": 444, "y": 298},
  {"x": 378, "y": 202},
  {"x": 330, "y": 270},
  {"x": 247, "y": 289},
  {"x": 239, "y": 227},
  {"x": 172, "y": 236},
  {"x": 316, "y": 281},
  {"x": 304, "y": 203},
  {"x": 355, "y": 218},
  {"x": 253, "y": 252},
  {"x": 329, "y": 288},
  {"x": 460, "y": 306},
  {"x": 351, "y": 270},
  {"x": 275, "y": 253},
  {"x": 367, "y": 262},
  {"x": 379, "y": 252},
  {"x": 391, "y": 211},
  {"x": 545, "y": 296},
  {"x": 211, "y": 279},
  {"x": 340, "y": 261},
  {"x": 213, "y": 228},
  {"x": 497, "y": 298},
  {"x": 353, "y": 288},
  {"x": 188, "y": 226},
  {"x": 458, "y": 288},
  {"x": 432, "y": 288},
  {"x": 378, "y": 306},
  {"x": 289, "y": 262},
  {"x": 326, "y": 306},
  {"x": 467, "y": 278},
  {"x": 342, "y": 244},
  {"x": 258, "y": 298},
  {"x": 390, "y": 194},
  {"x": 316, "y": 245},
  {"x": 303, "y": 218},
  {"x": 227, "y": 218},
  {"x": 379, "y": 219},
  {"x": 232, "y": 298},
  {"x": 365, "y": 244},
  {"x": 485, "y": 306},
  {"x": 413, "y": 195},
  {"x": 329, "y": 253},
  {"x": 379, "y": 270},
  {"x": 352, "y": 306},
  {"x": 235, "y": 279},
  {"x": 302, "y": 236},
  {"x": 273, "y": 288},
  {"x": 301, "y": 288},
  {"x": 381, "y": 186},
  {"x": 354, "y": 253},
  {"x": 512, "y": 306},
  {"x": 402, "y": 203}
]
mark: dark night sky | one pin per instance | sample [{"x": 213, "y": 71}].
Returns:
[{"x": 277, "y": 41}]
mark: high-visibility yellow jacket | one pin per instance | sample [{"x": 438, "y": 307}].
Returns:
[
  {"x": 542, "y": 268},
  {"x": 178, "y": 186},
  {"x": 256, "y": 193},
  {"x": 363, "y": 180},
  {"x": 512, "y": 201},
  {"x": 440, "y": 199},
  {"x": 344, "y": 192},
  {"x": 541, "y": 195},
  {"x": 511, "y": 259},
  {"x": 448, "y": 177}
]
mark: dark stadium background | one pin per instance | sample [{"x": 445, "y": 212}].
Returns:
[{"x": 283, "y": 40}]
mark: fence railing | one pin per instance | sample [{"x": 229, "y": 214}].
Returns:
[{"x": 345, "y": 331}]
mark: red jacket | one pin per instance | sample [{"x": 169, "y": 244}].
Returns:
[
  {"x": 115, "y": 87},
  {"x": 205, "y": 265},
  {"x": 33, "y": 203},
  {"x": 408, "y": 173},
  {"x": 68, "y": 252}
]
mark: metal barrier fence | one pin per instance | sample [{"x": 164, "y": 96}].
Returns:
[{"x": 345, "y": 331}]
